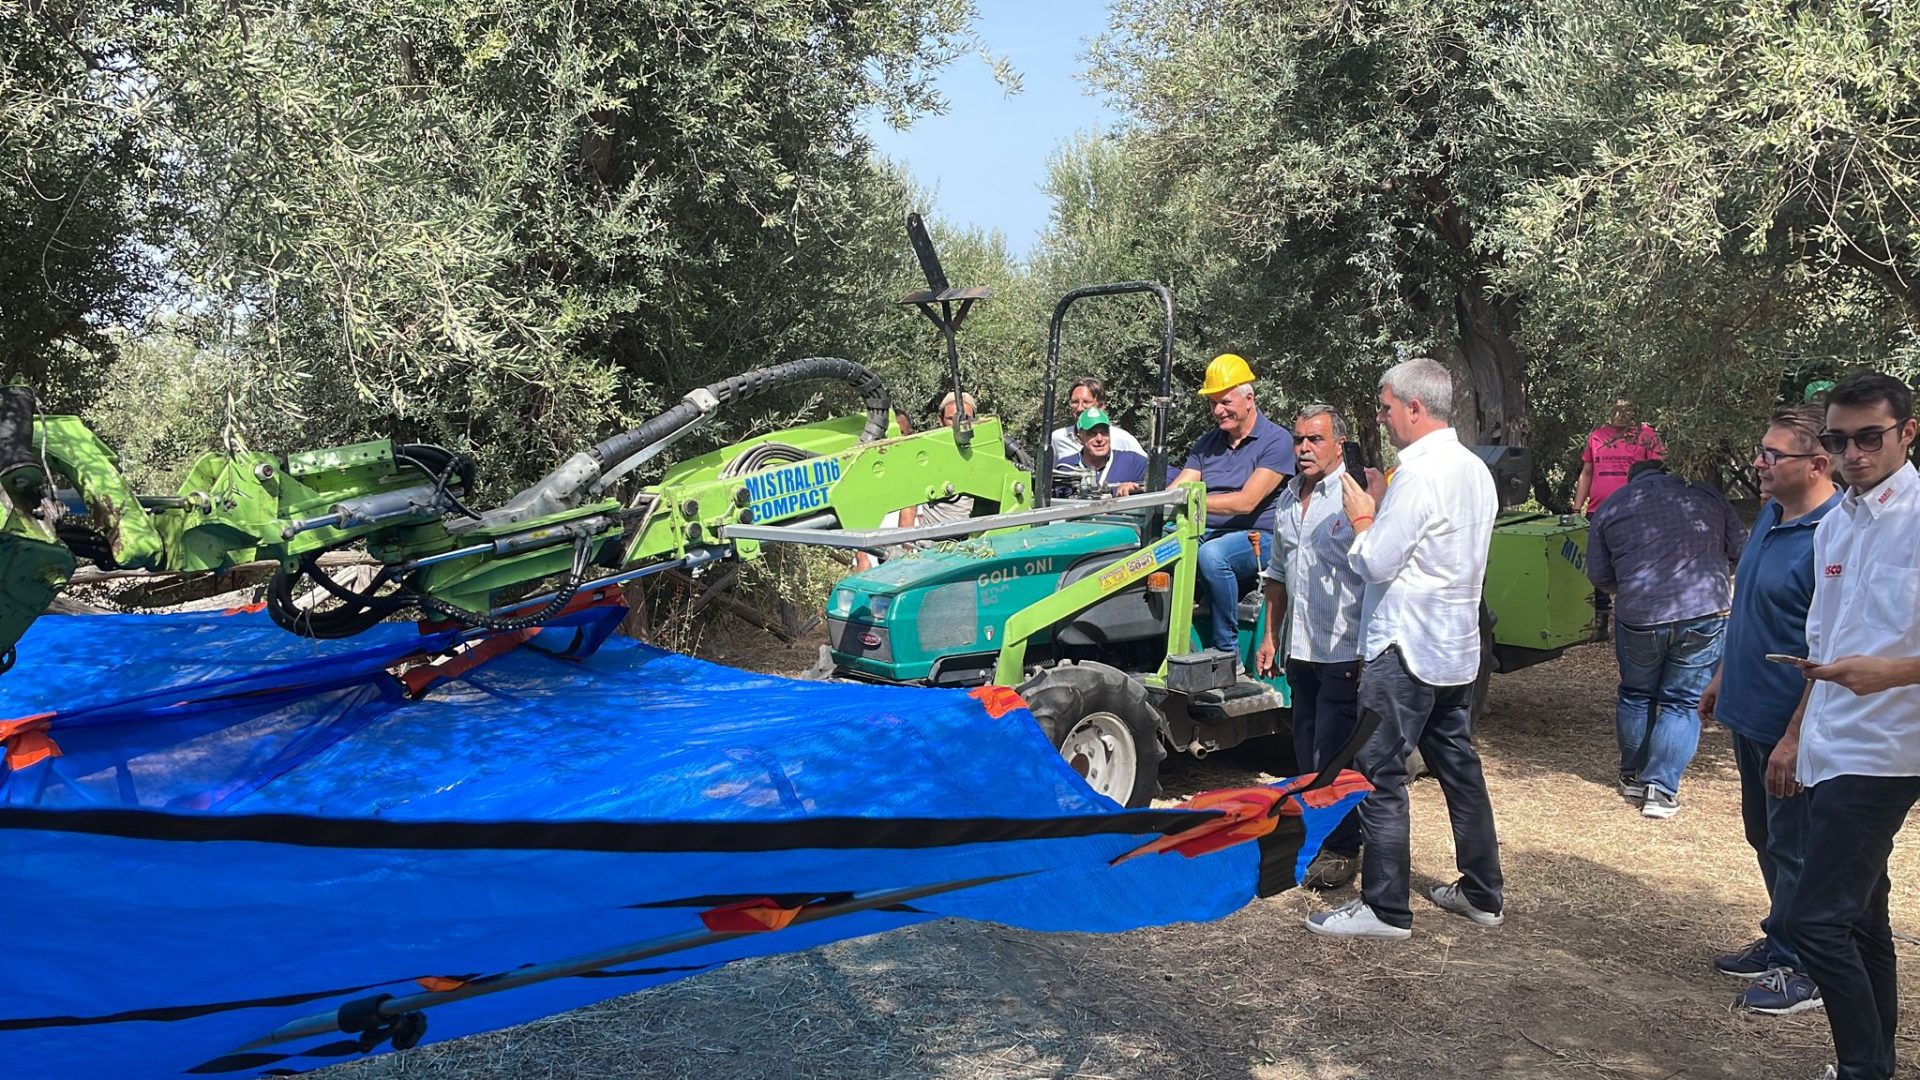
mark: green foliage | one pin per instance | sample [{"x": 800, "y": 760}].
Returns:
[
  {"x": 160, "y": 406},
  {"x": 508, "y": 229},
  {"x": 1326, "y": 174},
  {"x": 1701, "y": 205},
  {"x": 70, "y": 262},
  {"x": 1719, "y": 204}
]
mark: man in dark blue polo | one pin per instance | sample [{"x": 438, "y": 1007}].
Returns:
[
  {"x": 1773, "y": 586},
  {"x": 1243, "y": 461}
]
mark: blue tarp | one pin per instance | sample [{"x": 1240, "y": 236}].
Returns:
[{"x": 243, "y": 828}]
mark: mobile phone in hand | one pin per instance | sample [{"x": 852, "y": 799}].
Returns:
[
  {"x": 1356, "y": 463},
  {"x": 1788, "y": 658}
]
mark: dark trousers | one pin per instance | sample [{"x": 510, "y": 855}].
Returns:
[
  {"x": 1838, "y": 919},
  {"x": 1326, "y": 709},
  {"x": 1437, "y": 719},
  {"x": 1777, "y": 831}
]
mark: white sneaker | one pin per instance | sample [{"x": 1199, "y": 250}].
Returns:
[
  {"x": 1355, "y": 920},
  {"x": 1831, "y": 1072},
  {"x": 1659, "y": 805},
  {"x": 1451, "y": 898}
]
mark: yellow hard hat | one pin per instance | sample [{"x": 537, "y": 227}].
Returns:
[{"x": 1226, "y": 372}]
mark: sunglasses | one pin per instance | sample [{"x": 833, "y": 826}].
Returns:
[
  {"x": 1770, "y": 457},
  {"x": 1315, "y": 438},
  {"x": 1868, "y": 440}
]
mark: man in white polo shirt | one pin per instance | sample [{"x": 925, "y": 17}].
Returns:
[
  {"x": 1854, "y": 744},
  {"x": 1423, "y": 562}
]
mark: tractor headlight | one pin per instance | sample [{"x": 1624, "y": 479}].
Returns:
[
  {"x": 877, "y": 606},
  {"x": 842, "y": 603}
]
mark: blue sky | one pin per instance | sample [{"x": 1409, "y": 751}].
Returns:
[{"x": 987, "y": 156}]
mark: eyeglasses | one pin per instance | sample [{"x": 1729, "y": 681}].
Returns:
[
  {"x": 1770, "y": 457},
  {"x": 1867, "y": 439}
]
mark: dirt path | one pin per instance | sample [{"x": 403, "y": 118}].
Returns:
[{"x": 1601, "y": 972}]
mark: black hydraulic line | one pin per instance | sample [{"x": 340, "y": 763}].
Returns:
[
  {"x": 443, "y": 466},
  {"x": 358, "y": 612},
  {"x": 752, "y": 384},
  {"x": 576, "y": 576}
]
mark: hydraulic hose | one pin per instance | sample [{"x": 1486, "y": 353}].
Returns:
[
  {"x": 358, "y": 611},
  {"x": 752, "y": 384},
  {"x": 561, "y": 489}
]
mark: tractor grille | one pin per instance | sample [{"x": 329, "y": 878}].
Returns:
[
  {"x": 860, "y": 640},
  {"x": 949, "y": 617}
]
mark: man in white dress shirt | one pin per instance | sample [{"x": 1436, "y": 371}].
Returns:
[
  {"x": 1313, "y": 606},
  {"x": 1424, "y": 560},
  {"x": 1854, "y": 744}
]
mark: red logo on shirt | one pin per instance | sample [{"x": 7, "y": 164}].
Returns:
[
  {"x": 1885, "y": 495},
  {"x": 1833, "y": 569}
]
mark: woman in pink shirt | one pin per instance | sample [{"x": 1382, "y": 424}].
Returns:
[{"x": 1611, "y": 451}]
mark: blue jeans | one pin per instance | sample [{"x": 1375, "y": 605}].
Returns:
[
  {"x": 1663, "y": 669},
  {"x": 1777, "y": 831},
  {"x": 1227, "y": 568}
]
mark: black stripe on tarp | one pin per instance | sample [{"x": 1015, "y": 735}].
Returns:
[
  {"x": 657, "y": 837},
  {"x": 1279, "y": 855},
  {"x": 171, "y": 1013}
]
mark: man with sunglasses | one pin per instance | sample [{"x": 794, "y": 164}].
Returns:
[
  {"x": 1853, "y": 746},
  {"x": 1772, "y": 587},
  {"x": 1665, "y": 549}
]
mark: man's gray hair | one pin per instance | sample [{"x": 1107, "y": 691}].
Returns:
[
  {"x": 1333, "y": 417},
  {"x": 1422, "y": 380},
  {"x": 966, "y": 396}
]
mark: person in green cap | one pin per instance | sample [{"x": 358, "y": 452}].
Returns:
[{"x": 1122, "y": 471}]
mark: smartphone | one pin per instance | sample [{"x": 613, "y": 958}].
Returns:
[
  {"x": 1788, "y": 658},
  {"x": 1356, "y": 463}
]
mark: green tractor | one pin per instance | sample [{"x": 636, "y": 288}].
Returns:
[{"x": 1086, "y": 604}]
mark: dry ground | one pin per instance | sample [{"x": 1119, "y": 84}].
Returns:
[{"x": 1601, "y": 972}]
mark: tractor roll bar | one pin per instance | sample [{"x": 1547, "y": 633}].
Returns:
[{"x": 1157, "y": 449}]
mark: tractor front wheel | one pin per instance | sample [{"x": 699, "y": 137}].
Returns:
[{"x": 1104, "y": 726}]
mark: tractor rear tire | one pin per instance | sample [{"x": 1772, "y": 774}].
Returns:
[{"x": 1103, "y": 725}]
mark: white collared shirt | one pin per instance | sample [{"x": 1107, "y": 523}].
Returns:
[
  {"x": 1311, "y": 548},
  {"x": 1425, "y": 561},
  {"x": 1866, "y": 602}
]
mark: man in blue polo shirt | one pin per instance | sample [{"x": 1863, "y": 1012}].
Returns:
[
  {"x": 1773, "y": 586},
  {"x": 1243, "y": 461}
]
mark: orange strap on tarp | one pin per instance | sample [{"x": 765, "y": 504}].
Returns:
[
  {"x": 751, "y": 916},
  {"x": 997, "y": 700},
  {"x": 26, "y": 740},
  {"x": 441, "y": 984},
  {"x": 1245, "y": 814},
  {"x": 1345, "y": 783},
  {"x": 418, "y": 679}
]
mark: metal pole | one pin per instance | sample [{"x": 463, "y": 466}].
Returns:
[{"x": 327, "y": 1023}]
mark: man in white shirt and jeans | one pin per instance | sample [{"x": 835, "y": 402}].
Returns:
[
  {"x": 1854, "y": 744},
  {"x": 1424, "y": 561},
  {"x": 1313, "y": 605}
]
